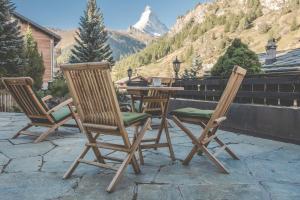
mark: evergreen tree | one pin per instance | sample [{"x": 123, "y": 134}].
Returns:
[
  {"x": 237, "y": 54},
  {"x": 234, "y": 23},
  {"x": 195, "y": 70},
  {"x": 34, "y": 66},
  {"x": 11, "y": 41},
  {"x": 91, "y": 41},
  {"x": 186, "y": 74},
  {"x": 59, "y": 87},
  {"x": 244, "y": 24}
]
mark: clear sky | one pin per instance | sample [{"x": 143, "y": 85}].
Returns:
[{"x": 118, "y": 14}]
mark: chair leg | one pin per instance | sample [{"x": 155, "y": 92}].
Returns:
[
  {"x": 160, "y": 130},
  {"x": 190, "y": 155},
  {"x": 44, "y": 135},
  {"x": 135, "y": 165},
  {"x": 227, "y": 149},
  {"x": 141, "y": 158},
  {"x": 200, "y": 146},
  {"x": 172, "y": 155},
  {"x": 117, "y": 176},
  {"x": 169, "y": 124},
  {"x": 76, "y": 162},
  {"x": 96, "y": 151},
  {"x": 134, "y": 161},
  {"x": 128, "y": 158},
  {"x": 19, "y": 132},
  {"x": 215, "y": 160}
]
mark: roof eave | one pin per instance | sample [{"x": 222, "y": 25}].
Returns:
[{"x": 55, "y": 36}]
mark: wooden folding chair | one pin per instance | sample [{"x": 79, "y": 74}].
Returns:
[
  {"x": 94, "y": 96},
  {"x": 37, "y": 110},
  {"x": 210, "y": 120},
  {"x": 156, "y": 103}
]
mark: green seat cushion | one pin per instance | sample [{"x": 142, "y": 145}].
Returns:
[
  {"x": 133, "y": 117},
  {"x": 61, "y": 113},
  {"x": 193, "y": 113}
]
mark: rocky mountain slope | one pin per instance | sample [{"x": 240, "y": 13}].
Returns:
[
  {"x": 207, "y": 30},
  {"x": 150, "y": 24},
  {"x": 122, "y": 44}
]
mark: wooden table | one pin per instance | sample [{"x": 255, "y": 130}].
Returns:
[
  {"x": 143, "y": 91},
  {"x": 157, "y": 99}
]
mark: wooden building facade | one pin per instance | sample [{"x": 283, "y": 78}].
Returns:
[{"x": 46, "y": 41}]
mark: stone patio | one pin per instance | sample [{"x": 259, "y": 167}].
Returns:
[{"x": 267, "y": 169}]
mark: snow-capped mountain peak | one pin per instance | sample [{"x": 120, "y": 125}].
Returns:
[{"x": 149, "y": 23}]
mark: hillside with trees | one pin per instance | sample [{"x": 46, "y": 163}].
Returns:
[{"x": 209, "y": 29}]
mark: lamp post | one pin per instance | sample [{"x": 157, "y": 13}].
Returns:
[
  {"x": 129, "y": 73},
  {"x": 176, "y": 66}
]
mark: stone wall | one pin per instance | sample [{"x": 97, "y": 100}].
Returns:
[{"x": 273, "y": 122}]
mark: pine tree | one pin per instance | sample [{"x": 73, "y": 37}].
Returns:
[
  {"x": 34, "y": 66},
  {"x": 195, "y": 70},
  {"x": 11, "y": 41},
  {"x": 237, "y": 54},
  {"x": 91, "y": 41},
  {"x": 196, "y": 67}
]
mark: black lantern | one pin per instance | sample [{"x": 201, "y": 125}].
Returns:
[
  {"x": 176, "y": 66},
  {"x": 129, "y": 73}
]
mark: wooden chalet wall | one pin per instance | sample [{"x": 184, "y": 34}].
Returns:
[{"x": 45, "y": 46}]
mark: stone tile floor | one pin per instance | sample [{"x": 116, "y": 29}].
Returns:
[{"x": 266, "y": 169}]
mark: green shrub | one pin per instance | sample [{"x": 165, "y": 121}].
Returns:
[
  {"x": 59, "y": 86},
  {"x": 237, "y": 54}
]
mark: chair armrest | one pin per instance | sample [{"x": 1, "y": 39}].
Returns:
[
  {"x": 46, "y": 98},
  {"x": 59, "y": 106},
  {"x": 220, "y": 120}
]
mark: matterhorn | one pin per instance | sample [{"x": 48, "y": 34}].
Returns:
[{"x": 150, "y": 24}]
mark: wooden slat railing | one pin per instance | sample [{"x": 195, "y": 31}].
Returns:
[
  {"x": 280, "y": 89},
  {"x": 7, "y": 103},
  {"x": 266, "y": 89}
]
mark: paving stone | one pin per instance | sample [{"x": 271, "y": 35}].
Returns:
[
  {"x": 94, "y": 187},
  {"x": 3, "y": 159},
  {"x": 280, "y": 165},
  {"x": 159, "y": 192},
  {"x": 222, "y": 191},
  {"x": 157, "y": 158},
  {"x": 22, "y": 140},
  {"x": 204, "y": 172},
  {"x": 25, "y": 150},
  {"x": 7, "y": 134},
  {"x": 283, "y": 190},
  {"x": 70, "y": 142},
  {"x": 29, "y": 186},
  {"x": 28, "y": 164}
]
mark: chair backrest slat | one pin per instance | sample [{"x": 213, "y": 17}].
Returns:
[
  {"x": 228, "y": 96},
  {"x": 93, "y": 93},
  {"x": 21, "y": 89},
  {"x": 167, "y": 81},
  {"x": 230, "y": 91}
]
